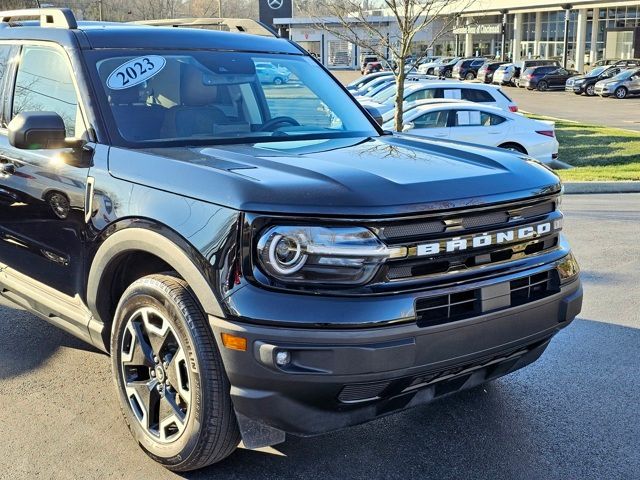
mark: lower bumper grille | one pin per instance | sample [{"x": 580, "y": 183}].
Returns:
[
  {"x": 442, "y": 309},
  {"x": 445, "y": 381}
]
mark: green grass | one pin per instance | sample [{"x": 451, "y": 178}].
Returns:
[{"x": 596, "y": 152}]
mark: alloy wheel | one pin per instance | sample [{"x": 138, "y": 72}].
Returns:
[
  {"x": 621, "y": 92},
  {"x": 590, "y": 90},
  {"x": 155, "y": 375}
]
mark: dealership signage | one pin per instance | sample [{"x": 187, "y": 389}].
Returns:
[
  {"x": 270, "y": 9},
  {"x": 479, "y": 29}
]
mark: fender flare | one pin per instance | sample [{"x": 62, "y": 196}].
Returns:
[{"x": 181, "y": 258}]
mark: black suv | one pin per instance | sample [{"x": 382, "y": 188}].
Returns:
[
  {"x": 259, "y": 259},
  {"x": 544, "y": 78},
  {"x": 467, "y": 68},
  {"x": 587, "y": 83}
]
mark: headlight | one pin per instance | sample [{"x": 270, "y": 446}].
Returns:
[
  {"x": 568, "y": 268},
  {"x": 316, "y": 255},
  {"x": 578, "y": 82}
]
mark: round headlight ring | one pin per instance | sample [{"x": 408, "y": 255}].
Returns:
[{"x": 288, "y": 244}]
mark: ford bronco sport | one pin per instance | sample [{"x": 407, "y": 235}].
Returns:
[{"x": 259, "y": 259}]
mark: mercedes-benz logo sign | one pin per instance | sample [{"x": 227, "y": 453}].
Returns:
[{"x": 275, "y": 4}]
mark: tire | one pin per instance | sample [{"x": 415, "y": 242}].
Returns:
[
  {"x": 542, "y": 86},
  {"x": 470, "y": 76},
  {"x": 447, "y": 74},
  {"x": 590, "y": 90},
  {"x": 620, "y": 93},
  {"x": 163, "y": 344},
  {"x": 277, "y": 81},
  {"x": 514, "y": 147}
]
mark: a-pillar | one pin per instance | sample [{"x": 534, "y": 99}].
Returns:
[
  {"x": 517, "y": 37},
  {"x": 581, "y": 39}
]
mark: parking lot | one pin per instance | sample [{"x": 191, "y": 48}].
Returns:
[
  {"x": 564, "y": 105},
  {"x": 573, "y": 414}
]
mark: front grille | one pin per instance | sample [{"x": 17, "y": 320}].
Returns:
[
  {"x": 467, "y": 225},
  {"x": 408, "y": 230},
  {"x": 451, "y": 307},
  {"x": 422, "y": 267}
]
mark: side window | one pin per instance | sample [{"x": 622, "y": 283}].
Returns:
[
  {"x": 477, "y": 95},
  {"x": 45, "y": 84},
  {"x": 467, "y": 118},
  {"x": 422, "y": 95},
  {"x": 432, "y": 120},
  {"x": 5, "y": 50},
  {"x": 490, "y": 119}
]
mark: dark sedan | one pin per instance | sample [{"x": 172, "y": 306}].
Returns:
[{"x": 547, "y": 77}]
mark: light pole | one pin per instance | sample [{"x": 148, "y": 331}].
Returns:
[
  {"x": 567, "y": 14},
  {"x": 100, "y": 10},
  {"x": 220, "y": 8}
]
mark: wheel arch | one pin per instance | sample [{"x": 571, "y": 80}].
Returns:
[
  {"x": 155, "y": 248},
  {"x": 506, "y": 145}
]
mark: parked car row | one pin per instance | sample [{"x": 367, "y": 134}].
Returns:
[{"x": 465, "y": 112}]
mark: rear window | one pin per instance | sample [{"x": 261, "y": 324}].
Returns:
[{"x": 477, "y": 95}]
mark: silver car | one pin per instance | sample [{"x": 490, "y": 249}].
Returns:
[{"x": 625, "y": 83}]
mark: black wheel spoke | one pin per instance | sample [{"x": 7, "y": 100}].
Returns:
[
  {"x": 144, "y": 399},
  {"x": 140, "y": 352}
]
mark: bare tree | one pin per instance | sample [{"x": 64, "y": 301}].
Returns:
[{"x": 389, "y": 33}]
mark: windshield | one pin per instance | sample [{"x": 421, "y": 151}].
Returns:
[
  {"x": 385, "y": 94},
  {"x": 202, "y": 97},
  {"x": 596, "y": 71}
]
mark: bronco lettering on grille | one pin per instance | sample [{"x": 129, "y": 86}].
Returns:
[{"x": 482, "y": 240}]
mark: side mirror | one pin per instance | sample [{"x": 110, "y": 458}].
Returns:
[
  {"x": 375, "y": 113},
  {"x": 408, "y": 126},
  {"x": 37, "y": 130}
]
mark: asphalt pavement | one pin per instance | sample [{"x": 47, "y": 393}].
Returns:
[{"x": 572, "y": 415}]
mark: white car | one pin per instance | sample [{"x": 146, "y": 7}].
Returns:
[
  {"x": 483, "y": 125},
  {"x": 504, "y": 74},
  {"x": 428, "y": 67},
  {"x": 384, "y": 102}
]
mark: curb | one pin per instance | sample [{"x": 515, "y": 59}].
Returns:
[{"x": 601, "y": 187}]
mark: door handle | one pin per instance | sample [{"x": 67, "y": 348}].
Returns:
[{"x": 7, "y": 169}]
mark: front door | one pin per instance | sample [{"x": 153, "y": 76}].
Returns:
[
  {"x": 42, "y": 196},
  {"x": 431, "y": 124}
]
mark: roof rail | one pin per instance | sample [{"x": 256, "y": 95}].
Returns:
[
  {"x": 49, "y": 17},
  {"x": 244, "y": 25}
]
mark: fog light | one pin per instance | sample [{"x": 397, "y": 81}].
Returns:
[{"x": 283, "y": 358}]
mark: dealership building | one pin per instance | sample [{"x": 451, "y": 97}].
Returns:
[{"x": 578, "y": 33}]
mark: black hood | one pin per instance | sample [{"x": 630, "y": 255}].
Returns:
[{"x": 389, "y": 175}]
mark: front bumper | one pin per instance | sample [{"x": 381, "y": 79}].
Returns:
[
  {"x": 341, "y": 377},
  {"x": 574, "y": 88}
]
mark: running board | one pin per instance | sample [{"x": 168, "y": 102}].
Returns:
[{"x": 68, "y": 313}]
